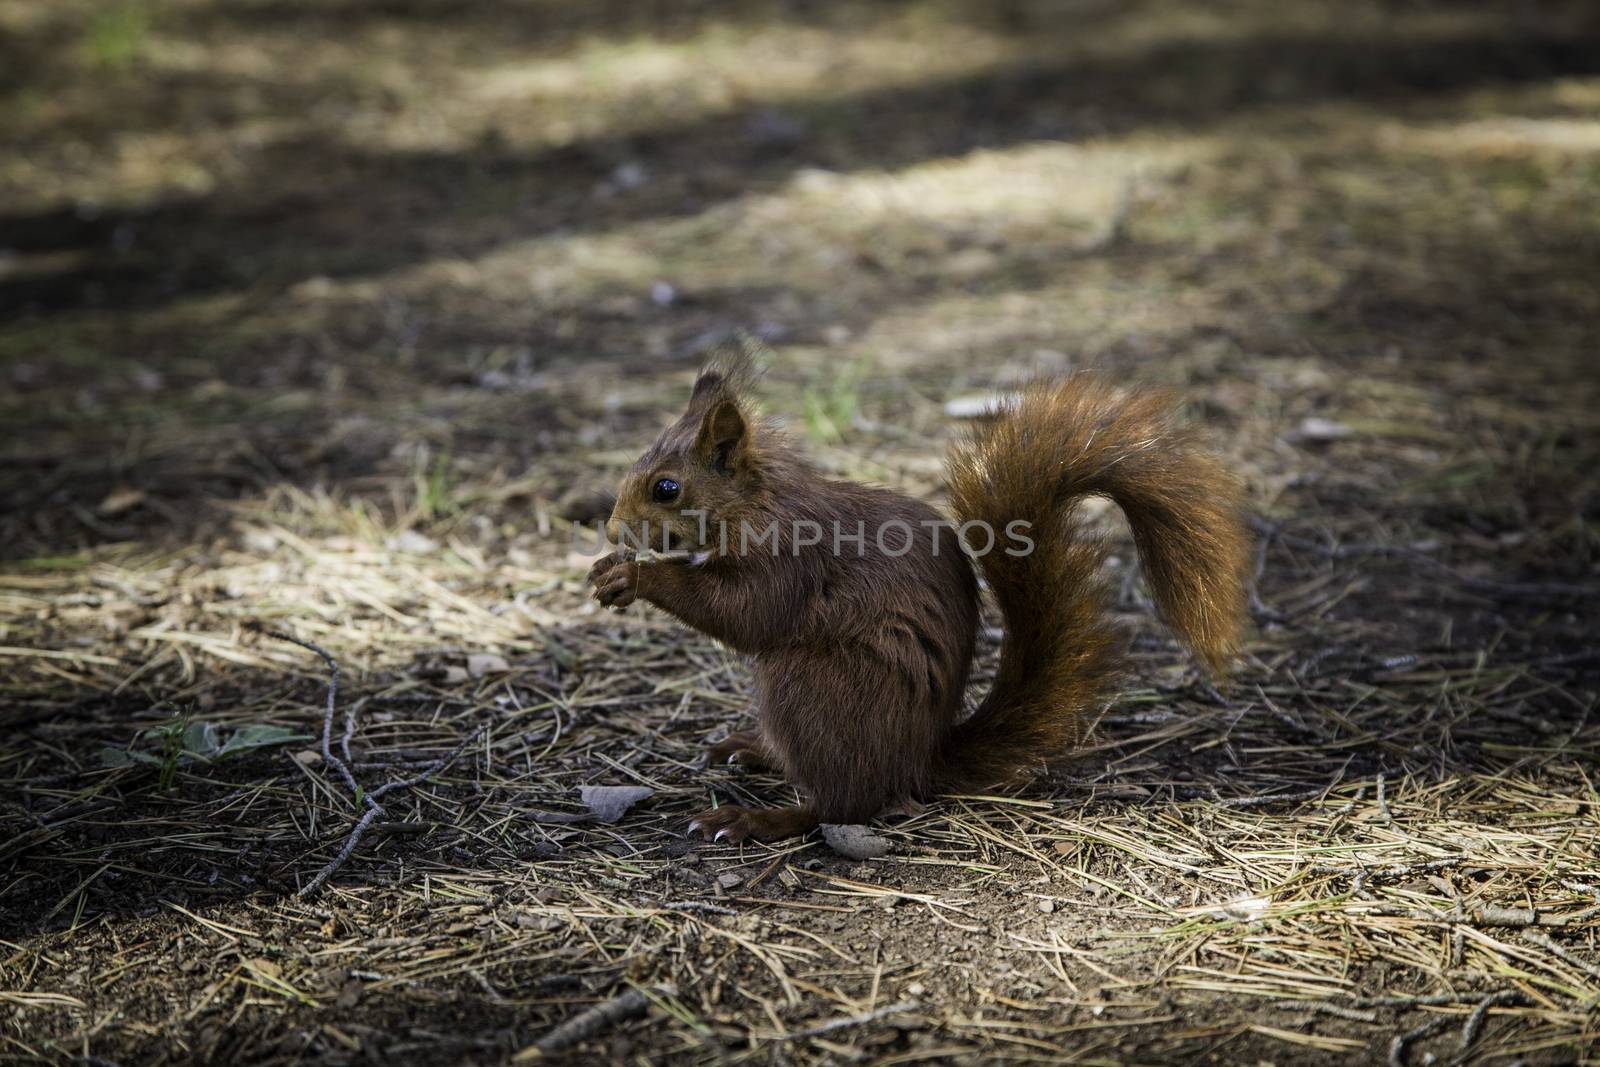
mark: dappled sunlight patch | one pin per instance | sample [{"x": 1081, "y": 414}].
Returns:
[
  {"x": 1043, "y": 184},
  {"x": 613, "y": 86},
  {"x": 1504, "y": 137},
  {"x": 329, "y": 568},
  {"x": 981, "y": 221},
  {"x": 1079, "y": 319},
  {"x": 726, "y": 64}
]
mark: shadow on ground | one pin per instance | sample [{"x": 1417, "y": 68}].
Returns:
[{"x": 320, "y": 207}]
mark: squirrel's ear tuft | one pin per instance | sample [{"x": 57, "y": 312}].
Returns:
[
  {"x": 723, "y": 435},
  {"x": 731, "y": 368}
]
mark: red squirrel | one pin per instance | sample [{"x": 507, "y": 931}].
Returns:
[{"x": 859, "y": 604}]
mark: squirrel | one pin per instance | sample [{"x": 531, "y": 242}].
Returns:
[{"x": 860, "y": 605}]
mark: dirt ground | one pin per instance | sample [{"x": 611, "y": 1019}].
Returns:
[{"x": 335, "y": 316}]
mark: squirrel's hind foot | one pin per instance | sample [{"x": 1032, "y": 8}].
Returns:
[{"x": 732, "y": 823}]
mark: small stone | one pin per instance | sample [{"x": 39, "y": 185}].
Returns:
[
  {"x": 486, "y": 663},
  {"x": 629, "y": 175},
  {"x": 1315, "y": 430},
  {"x": 854, "y": 842},
  {"x": 1047, "y": 906}
]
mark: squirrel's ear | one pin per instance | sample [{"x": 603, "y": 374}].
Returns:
[
  {"x": 710, "y": 383},
  {"x": 722, "y": 435}
]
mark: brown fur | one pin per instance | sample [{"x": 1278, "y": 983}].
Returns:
[{"x": 861, "y": 654}]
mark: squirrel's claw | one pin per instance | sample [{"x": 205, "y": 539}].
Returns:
[
  {"x": 733, "y": 824},
  {"x": 742, "y": 749},
  {"x": 730, "y": 823}
]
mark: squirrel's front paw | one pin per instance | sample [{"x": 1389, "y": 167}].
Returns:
[
  {"x": 618, "y": 586},
  {"x": 602, "y": 566}
]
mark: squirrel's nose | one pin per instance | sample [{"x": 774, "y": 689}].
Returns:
[{"x": 613, "y": 530}]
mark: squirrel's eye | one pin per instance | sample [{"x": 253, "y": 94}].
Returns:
[{"x": 666, "y": 491}]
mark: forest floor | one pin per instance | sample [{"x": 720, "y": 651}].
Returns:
[{"x": 338, "y": 317}]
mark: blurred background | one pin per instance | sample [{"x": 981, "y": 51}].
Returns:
[
  {"x": 336, "y": 243},
  {"x": 334, "y": 315}
]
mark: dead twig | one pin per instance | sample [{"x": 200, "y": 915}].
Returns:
[
  {"x": 851, "y": 1020},
  {"x": 1397, "y": 1046},
  {"x": 1242, "y": 803},
  {"x": 1562, "y": 952},
  {"x": 1392, "y": 870},
  {"x": 1338, "y": 1011},
  {"x": 1474, "y": 1024},
  {"x": 341, "y": 764},
  {"x": 698, "y": 905},
  {"x": 592, "y": 1021}
]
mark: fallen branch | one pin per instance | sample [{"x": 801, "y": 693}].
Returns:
[
  {"x": 342, "y": 762},
  {"x": 592, "y": 1021}
]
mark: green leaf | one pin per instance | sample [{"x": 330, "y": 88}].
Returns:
[
  {"x": 201, "y": 739},
  {"x": 112, "y": 756},
  {"x": 258, "y": 735}
]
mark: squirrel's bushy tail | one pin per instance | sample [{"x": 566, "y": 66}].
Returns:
[{"x": 1054, "y": 445}]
